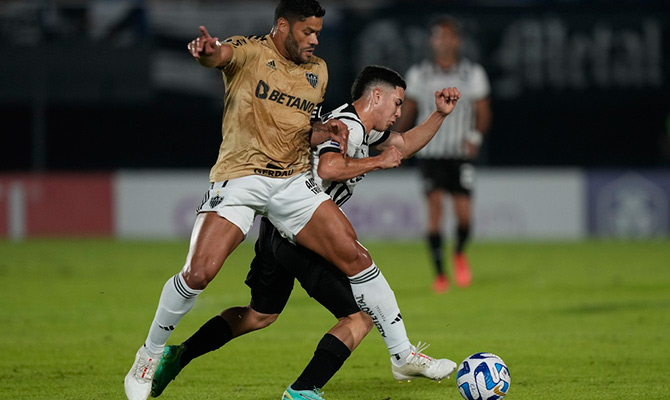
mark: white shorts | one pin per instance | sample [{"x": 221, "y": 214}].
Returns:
[{"x": 288, "y": 203}]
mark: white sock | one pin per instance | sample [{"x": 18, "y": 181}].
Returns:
[
  {"x": 400, "y": 359},
  {"x": 176, "y": 300},
  {"x": 374, "y": 296}
]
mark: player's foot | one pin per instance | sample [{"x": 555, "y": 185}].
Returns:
[
  {"x": 462, "y": 270},
  {"x": 168, "y": 368},
  {"x": 419, "y": 365},
  {"x": 292, "y": 394},
  {"x": 138, "y": 379},
  {"x": 440, "y": 284}
]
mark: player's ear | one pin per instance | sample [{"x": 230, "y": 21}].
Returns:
[
  {"x": 376, "y": 95},
  {"x": 283, "y": 26}
]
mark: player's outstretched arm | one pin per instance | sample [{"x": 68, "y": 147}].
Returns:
[
  {"x": 414, "y": 139},
  {"x": 208, "y": 51},
  {"x": 336, "y": 167}
]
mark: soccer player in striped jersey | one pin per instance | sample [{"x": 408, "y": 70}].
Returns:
[
  {"x": 446, "y": 163},
  {"x": 378, "y": 94}
]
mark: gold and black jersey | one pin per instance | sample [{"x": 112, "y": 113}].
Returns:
[{"x": 268, "y": 103}]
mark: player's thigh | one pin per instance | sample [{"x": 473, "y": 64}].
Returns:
[
  {"x": 461, "y": 177},
  {"x": 239, "y": 200},
  {"x": 320, "y": 279},
  {"x": 306, "y": 215},
  {"x": 270, "y": 283},
  {"x": 212, "y": 240},
  {"x": 335, "y": 296},
  {"x": 293, "y": 203},
  {"x": 330, "y": 234},
  {"x": 434, "y": 174}
]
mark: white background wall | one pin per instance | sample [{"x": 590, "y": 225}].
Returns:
[
  {"x": 509, "y": 204},
  {"x": 157, "y": 204}
]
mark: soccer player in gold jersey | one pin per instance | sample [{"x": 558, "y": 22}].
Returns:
[{"x": 274, "y": 83}]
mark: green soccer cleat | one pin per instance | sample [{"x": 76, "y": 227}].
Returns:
[
  {"x": 168, "y": 368},
  {"x": 292, "y": 394}
]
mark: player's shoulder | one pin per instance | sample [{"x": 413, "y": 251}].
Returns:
[
  {"x": 345, "y": 110},
  {"x": 472, "y": 70},
  {"x": 347, "y": 114},
  {"x": 418, "y": 72},
  {"x": 316, "y": 63},
  {"x": 423, "y": 66},
  {"x": 237, "y": 41},
  {"x": 469, "y": 65}
]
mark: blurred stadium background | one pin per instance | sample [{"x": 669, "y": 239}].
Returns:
[{"x": 109, "y": 127}]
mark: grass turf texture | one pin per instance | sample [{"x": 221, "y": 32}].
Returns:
[{"x": 584, "y": 320}]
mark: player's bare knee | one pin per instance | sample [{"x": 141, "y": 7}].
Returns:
[
  {"x": 200, "y": 270},
  {"x": 196, "y": 278},
  {"x": 352, "y": 257},
  {"x": 264, "y": 320},
  {"x": 362, "y": 261}
]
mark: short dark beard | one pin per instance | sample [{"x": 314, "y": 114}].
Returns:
[{"x": 292, "y": 48}]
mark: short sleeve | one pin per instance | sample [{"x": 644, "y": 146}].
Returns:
[
  {"x": 480, "y": 83},
  {"x": 243, "y": 50},
  {"x": 376, "y": 138}
]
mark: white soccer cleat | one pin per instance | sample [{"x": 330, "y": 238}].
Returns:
[
  {"x": 138, "y": 380},
  {"x": 419, "y": 365}
]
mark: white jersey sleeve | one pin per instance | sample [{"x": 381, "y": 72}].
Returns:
[
  {"x": 480, "y": 83},
  {"x": 376, "y": 137}
]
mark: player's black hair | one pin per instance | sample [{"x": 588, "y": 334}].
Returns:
[
  {"x": 298, "y": 10},
  {"x": 374, "y": 75},
  {"x": 446, "y": 20}
]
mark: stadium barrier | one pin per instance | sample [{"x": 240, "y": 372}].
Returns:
[
  {"x": 38, "y": 205},
  {"x": 523, "y": 203}
]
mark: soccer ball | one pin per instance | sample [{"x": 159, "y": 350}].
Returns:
[{"x": 483, "y": 376}]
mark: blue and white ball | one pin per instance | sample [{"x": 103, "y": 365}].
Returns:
[{"x": 483, "y": 376}]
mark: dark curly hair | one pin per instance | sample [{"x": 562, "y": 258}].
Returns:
[
  {"x": 298, "y": 10},
  {"x": 373, "y": 75}
]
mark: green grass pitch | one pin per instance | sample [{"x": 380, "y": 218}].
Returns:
[{"x": 572, "y": 320}]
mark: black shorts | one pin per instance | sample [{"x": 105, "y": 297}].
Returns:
[
  {"x": 452, "y": 175},
  {"x": 278, "y": 262}
]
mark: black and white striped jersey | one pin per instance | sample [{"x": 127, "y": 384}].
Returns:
[
  {"x": 424, "y": 79},
  {"x": 358, "y": 146}
]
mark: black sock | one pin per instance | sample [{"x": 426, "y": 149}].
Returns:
[
  {"x": 462, "y": 237},
  {"x": 329, "y": 357},
  {"x": 213, "y": 334},
  {"x": 435, "y": 246}
]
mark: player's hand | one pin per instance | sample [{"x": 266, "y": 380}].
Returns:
[
  {"x": 473, "y": 140},
  {"x": 446, "y": 99},
  {"x": 391, "y": 157},
  {"x": 471, "y": 150},
  {"x": 337, "y": 131},
  {"x": 204, "y": 45}
]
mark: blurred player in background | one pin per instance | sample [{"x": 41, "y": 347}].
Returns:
[
  {"x": 446, "y": 162},
  {"x": 377, "y": 95}
]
